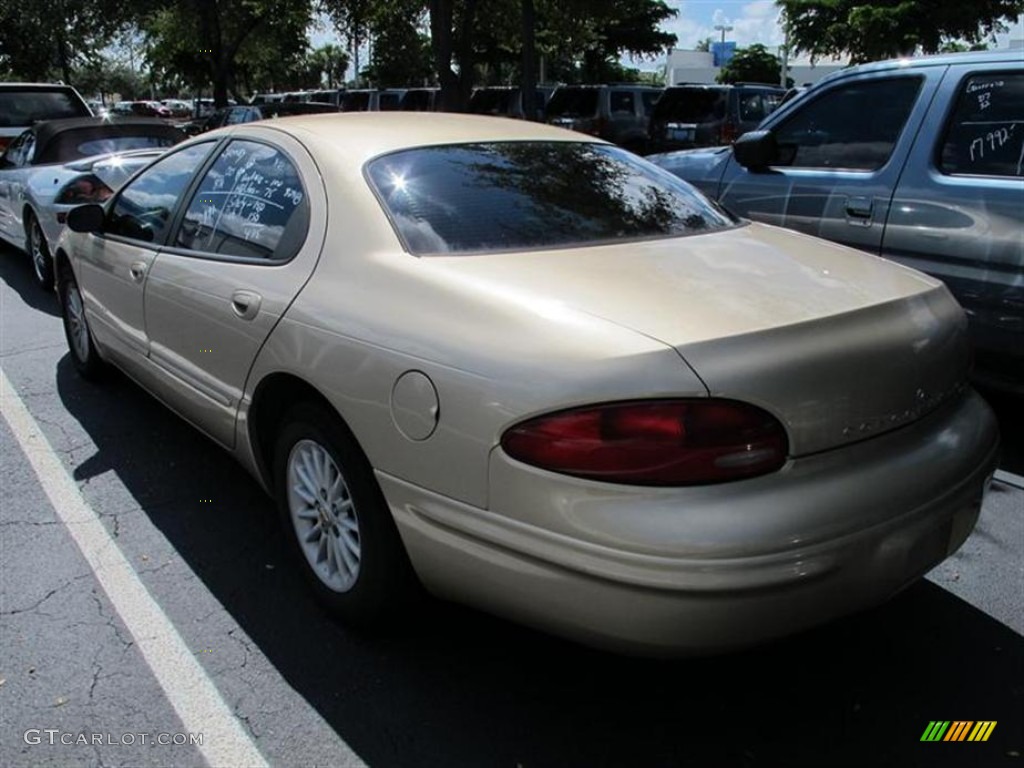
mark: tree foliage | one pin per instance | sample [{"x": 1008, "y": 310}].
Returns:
[
  {"x": 224, "y": 42},
  {"x": 49, "y": 39},
  {"x": 500, "y": 41},
  {"x": 882, "y": 29},
  {"x": 754, "y": 64}
]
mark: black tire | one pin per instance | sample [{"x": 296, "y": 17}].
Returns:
[
  {"x": 39, "y": 252},
  {"x": 76, "y": 328},
  {"x": 383, "y": 590}
]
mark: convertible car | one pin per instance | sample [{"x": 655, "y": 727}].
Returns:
[
  {"x": 529, "y": 371},
  {"x": 58, "y": 164}
]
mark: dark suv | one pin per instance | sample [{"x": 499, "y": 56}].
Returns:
[
  {"x": 688, "y": 116},
  {"x": 616, "y": 113}
]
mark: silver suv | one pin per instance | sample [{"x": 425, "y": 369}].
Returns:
[
  {"x": 919, "y": 161},
  {"x": 616, "y": 113},
  {"x": 24, "y": 104}
]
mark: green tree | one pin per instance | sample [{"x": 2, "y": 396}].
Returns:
[
  {"x": 502, "y": 40},
  {"x": 703, "y": 45},
  {"x": 328, "y": 62},
  {"x": 885, "y": 29},
  {"x": 48, "y": 39},
  {"x": 754, "y": 64},
  {"x": 223, "y": 41}
]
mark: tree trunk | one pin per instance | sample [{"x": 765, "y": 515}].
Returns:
[
  {"x": 441, "y": 13},
  {"x": 528, "y": 87}
]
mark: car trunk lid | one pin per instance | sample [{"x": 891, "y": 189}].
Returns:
[{"x": 840, "y": 345}]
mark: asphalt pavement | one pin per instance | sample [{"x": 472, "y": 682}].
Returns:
[{"x": 145, "y": 596}]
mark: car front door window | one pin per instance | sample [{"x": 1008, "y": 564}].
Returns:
[
  {"x": 853, "y": 127},
  {"x": 143, "y": 209}
]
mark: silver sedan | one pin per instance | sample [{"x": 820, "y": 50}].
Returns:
[
  {"x": 531, "y": 372},
  {"x": 58, "y": 164}
]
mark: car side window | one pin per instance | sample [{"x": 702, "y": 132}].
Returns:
[
  {"x": 251, "y": 203},
  {"x": 751, "y": 107},
  {"x": 621, "y": 102},
  {"x": 238, "y": 115},
  {"x": 142, "y": 211},
  {"x": 851, "y": 127},
  {"x": 985, "y": 135},
  {"x": 15, "y": 155},
  {"x": 649, "y": 99}
]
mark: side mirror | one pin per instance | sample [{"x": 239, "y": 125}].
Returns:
[
  {"x": 756, "y": 150},
  {"x": 86, "y": 218}
]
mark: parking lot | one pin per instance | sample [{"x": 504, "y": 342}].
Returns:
[{"x": 225, "y": 642}]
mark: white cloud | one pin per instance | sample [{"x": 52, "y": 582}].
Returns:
[{"x": 751, "y": 22}]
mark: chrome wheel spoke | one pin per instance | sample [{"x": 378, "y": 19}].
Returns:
[
  {"x": 324, "y": 515},
  {"x": 342, "y": 553},
  {"x": 314, "y": 534}
]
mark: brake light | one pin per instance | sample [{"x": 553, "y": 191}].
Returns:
[
  {"x": 83, "y": 189},
  {"x": 653, "y": 442},
  {"x": 4, "y": 141},
  {"x": 729, "y": 132}
]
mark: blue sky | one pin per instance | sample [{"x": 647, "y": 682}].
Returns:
[{"x": 753, "y": 21}]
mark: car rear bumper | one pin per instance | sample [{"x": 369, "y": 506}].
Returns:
[{"x": 695, "y": 570}]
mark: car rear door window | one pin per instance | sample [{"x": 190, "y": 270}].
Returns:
[
  {"x": 249, "y": 204},
  {"x": 985, "y": 136},
  {"x": 851, "y": 127},
  {"x": 142, "y": 210}
]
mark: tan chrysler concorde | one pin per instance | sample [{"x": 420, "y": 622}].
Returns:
[{"x": 533, "y": 373}]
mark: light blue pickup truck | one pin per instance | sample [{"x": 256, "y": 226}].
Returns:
[{"x": 916, "y": 160}]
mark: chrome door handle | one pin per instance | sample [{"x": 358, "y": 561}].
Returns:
[
  {"x": 246, "y": 304},
  {"x": 137, "y": 271}
]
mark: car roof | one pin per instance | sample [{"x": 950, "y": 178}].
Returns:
[
  {"x": 941, "y": 59},
  {"x": 361, "y": 135},
  {"x": 35, "y": 87},
  {"x": 47, "y": 130}
]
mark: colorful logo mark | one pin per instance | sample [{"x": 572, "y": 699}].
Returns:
[{"x": 958, "y": 730}]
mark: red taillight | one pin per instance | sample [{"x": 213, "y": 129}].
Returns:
[
  {"x": 729, "y": 132},
  {"x": 83, "y": 189},
  {"x": 4, "y": 141},
  {"x": 653, "y": 442}
]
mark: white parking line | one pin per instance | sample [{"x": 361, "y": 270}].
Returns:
[{"x": 187, "y": 687}]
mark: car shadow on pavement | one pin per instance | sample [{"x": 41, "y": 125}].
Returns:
[
  {"x": 459, "y": 688},
  {"x": 16, "y": 271}
]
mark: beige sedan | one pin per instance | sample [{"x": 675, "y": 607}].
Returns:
[{"x": 533, "y": 373}]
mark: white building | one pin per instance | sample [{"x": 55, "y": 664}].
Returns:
[{"x": 698, "y": 67}]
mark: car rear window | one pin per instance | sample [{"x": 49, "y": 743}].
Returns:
[
  {"x": 103, "y": 146},
  {"x": 691, "y": 105},
  {"x": 474, "y": 198},
  {"x": 20, "y": 107},
  {"x": 491, "y": 102},
  {"x": 573, "y": 102}
]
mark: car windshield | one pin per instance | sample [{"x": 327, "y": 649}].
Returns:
[
  {"x": 24, "y": 107},
  {"x": 691, "y": 105},
  {"x": 573, "y": 102},
  {"x": 474, "y": 198}
]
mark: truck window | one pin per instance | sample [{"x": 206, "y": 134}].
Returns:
[
  {"x": 851, "y": 127},
  {"x": 985, "y": 134}
]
